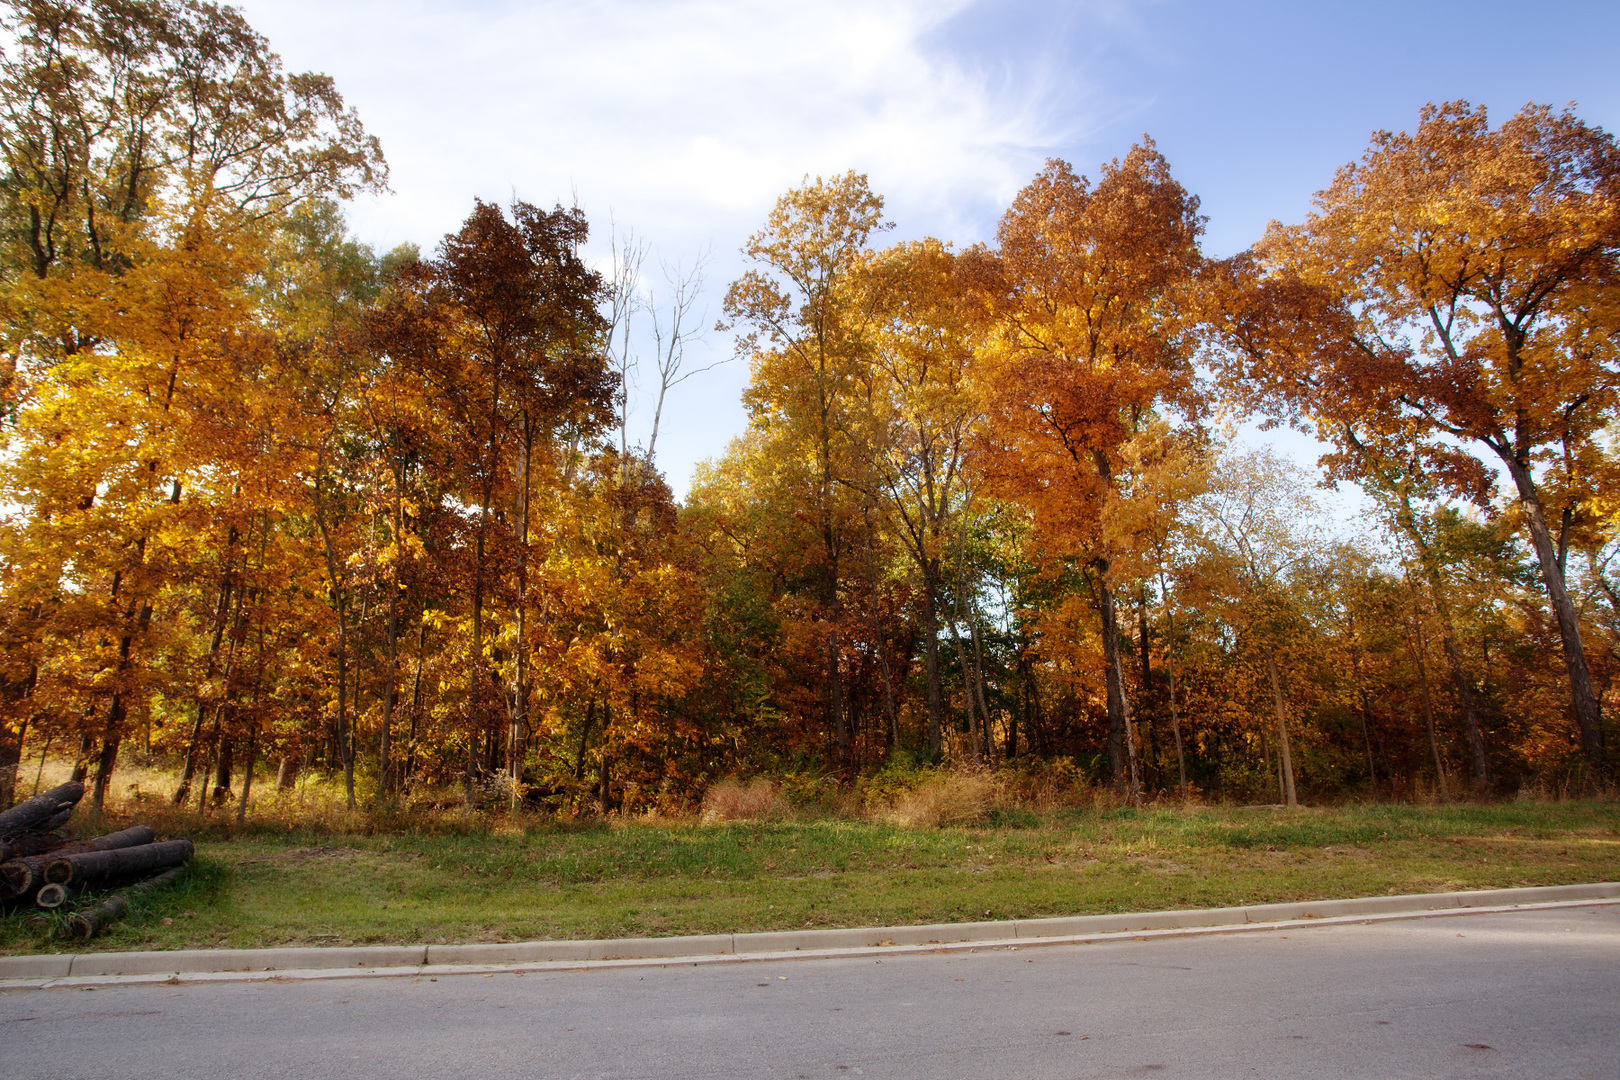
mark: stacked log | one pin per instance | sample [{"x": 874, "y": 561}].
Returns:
[
  {"x": 24, "y": 876},
  {"x": 29, "y": 824},
  {"x": 40, "y": 866},
  {"x": 89, "y": 921}
]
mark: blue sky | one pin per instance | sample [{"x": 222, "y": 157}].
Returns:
[{"x": 685, "y": 119}]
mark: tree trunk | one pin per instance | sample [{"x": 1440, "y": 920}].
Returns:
[
  {"x": 1285, "y": 752},
  {"x": 978, "y": 687},
  {"x": 518, "y": 692},
  {"x": 967, "y": 692},
  {"x": 475, "y": 666},
  {"x": 247, "y": 776},
  {"x": 222, "y": 773},
  {"x": 1170, "y": 667},
  {"x": 92, "y": 867},
  {"x": 1467, "y": 709},
  {"x": 1121, "y": 737},
  {"x": 1417, "y": 647},
  {"x": 87, "y": 922},
  {"x": 22, "y": 876},
  {"x": 1583, "y": 698},
  {"x": 287, "y": 773},
  {"x": 1366, "y": 711},
  {"x": 28, "y": 814},
  {"x": 930, "y": 613},
  {"x": 12, "y": 735}
]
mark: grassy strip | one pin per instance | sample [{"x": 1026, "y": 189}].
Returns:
[{"x": 596, "y": 880}]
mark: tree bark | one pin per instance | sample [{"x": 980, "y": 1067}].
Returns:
[
  {"x": 967, "y": 692},
  {"x": 930, "y": 612},
  {"x": 1285, "y": 755},
  {"x": 518, "y": 692},
  {"x": 1121, "y": 737},
  {"x": 1366, "y": 711},
  {"x": 88, "y": 922},
  {"x": 1417, "y": 646},
  {"x": 1467, "y": 709},
  {"x": 91, "y": 867},
  {"x": 27, "y": 815},
  {"x": 1583, "y": 697},
  {"x": 1170, "y": 666}
]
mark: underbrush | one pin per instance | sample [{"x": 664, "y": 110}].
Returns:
[{"x": 909, "y": 792}]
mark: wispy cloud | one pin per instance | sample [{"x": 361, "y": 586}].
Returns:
[{"x": 685, "y": 119}]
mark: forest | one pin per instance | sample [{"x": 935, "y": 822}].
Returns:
[{"x": 278, "y": 504}]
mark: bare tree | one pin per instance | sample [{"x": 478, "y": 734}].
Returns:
[
  {"x": 623, "y": 301},
  {"x": 677, "y": 324}
]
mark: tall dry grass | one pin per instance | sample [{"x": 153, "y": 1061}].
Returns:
[
  {"x": 757, "y": 800},
  {"x": 947, "y": 797}
]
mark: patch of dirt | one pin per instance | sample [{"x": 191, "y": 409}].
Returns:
[{"x": 304, "y": 855}]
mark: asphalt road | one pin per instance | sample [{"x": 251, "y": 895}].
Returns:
[{"x": 1529, "y": 994}]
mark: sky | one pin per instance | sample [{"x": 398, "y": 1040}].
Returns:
[{"x": 684, "y": 120}]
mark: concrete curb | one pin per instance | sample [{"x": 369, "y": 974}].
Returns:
[{"x": 233, "y": 965}]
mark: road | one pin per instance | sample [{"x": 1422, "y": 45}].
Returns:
[{"x": 1527, "y": 994}]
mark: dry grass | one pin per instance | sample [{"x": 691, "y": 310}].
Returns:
[
  {"x": 946, "y": 798},
  {"x": 757, "y": 800}
]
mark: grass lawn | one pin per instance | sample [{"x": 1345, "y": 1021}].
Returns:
[{"x": 599, "y": 880}]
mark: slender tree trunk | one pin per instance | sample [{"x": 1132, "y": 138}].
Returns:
[
  {"x": 12, "y": 737},
  {"x": 1286, "y": 755},
  {"x": 1467, "y": 709},
  {"x": 222, "y": 774},
  {"x": 1361, "y": 694},
  {"x": 39, "y": 773},
  {"x": 1121, "y": 736},
  {"x": 967, "y": 692},
  {"x": 416, "y": 697},
  {"x": 930, "y": 613},
  {"x": 340, "y": 601},
  {"x": 247, "y": 775},
  {"x": 1418, "y": 649},
  {"x": 518, "y": 693},
  {"x": 978, "y": 686},
  {"x": 584, "y": 738},
  {"x": 1170, "y": 667},
  {"x": 1583, "y": 697},
  {"x": 221, "y": 616},
  {"x": 475, "y": 679},
  {"x": 1149, "y": 717},
  {"x": 890, "y": 713},
  {"x": 385, "y": 746}
]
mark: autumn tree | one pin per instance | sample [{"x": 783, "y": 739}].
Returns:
[
  {"x": 1452, "y": 302},
  {"x": 521, "y": 366},
  {"x": 1092, "y": 288},
  {"x": 144, "y": 147},
  {"x": 917, "y": 412},
  {"x": 804, "y": 330}
]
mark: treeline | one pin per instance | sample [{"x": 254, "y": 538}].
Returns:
[{"x": 273, "y": 497}]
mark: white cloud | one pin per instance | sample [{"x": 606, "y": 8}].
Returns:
[{"x": 684, "y": 119}]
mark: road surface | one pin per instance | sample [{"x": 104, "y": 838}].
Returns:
[{"x": 1527, "y": 994}]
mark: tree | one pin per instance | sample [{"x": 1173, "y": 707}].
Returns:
[
  {"x": 1093, "y": 291},
  {"x": 1453, "y": 302},
  {"x": 914, "y": 423},
  {"x": 1260, "y": 521},
  {"x": 806, "y": 330},
  {"x": 522, "y": 364}
]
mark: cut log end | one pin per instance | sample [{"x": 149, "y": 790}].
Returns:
[{"x": 51, "y": 896}]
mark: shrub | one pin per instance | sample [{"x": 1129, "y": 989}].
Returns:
[
  {"x": 945, "y": 798},
  {"x": 731, "y": 800}
]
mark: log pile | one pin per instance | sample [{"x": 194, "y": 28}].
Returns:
[{"x": 41, "y": 866}]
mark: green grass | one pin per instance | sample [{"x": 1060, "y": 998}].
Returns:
[{"x": 597, "y": 880}]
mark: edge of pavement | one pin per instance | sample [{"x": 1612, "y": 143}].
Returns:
[{"x": 89, "y": 969}]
